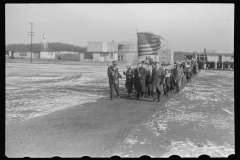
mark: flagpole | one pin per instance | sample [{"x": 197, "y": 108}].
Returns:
[{"x": 137, "y": 45}]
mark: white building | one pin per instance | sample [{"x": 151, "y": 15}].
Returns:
[
  {"x": 47, "y": 55},
  {"x": 214, "y": 57},
  {"x": 164, "y": 55},
  {"x": 109, "y": 51},
  {"x": 35, "y": 55}
]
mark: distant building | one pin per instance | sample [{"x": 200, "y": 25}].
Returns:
[
  {"x": 47, "y": 55},
  {"x": 109, "y": 51},
  {"x": 35, "y": 55},
  {"x": 214, "y": 56},
  {"x": 179, "y": 56},
  {"x": 204, "y": 56},
  {"x": 8, "y": 53},
  {"x": 66, "y": 52}
]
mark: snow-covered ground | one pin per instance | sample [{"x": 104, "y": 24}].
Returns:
[
  {"x": 39, "y": 89},
  {"x": 199, "y": 120}
]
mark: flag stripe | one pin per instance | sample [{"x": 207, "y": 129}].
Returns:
[
  {"x": 148, "y": 43},
  {"x": 148, "y": 53},
  {"x": 149, "y": 49}
]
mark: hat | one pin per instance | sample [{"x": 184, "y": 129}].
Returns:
[
  {"x": 153, "y": 63},
  {"x": 146, "y": 62},
  {"x": 114, "y": 62}
]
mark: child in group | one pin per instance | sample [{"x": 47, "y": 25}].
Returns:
[
  {"x": 189, "y": 75},
  {"x": 169, "y": 80}
]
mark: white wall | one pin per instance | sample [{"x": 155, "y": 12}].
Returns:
[
  {"x": 129, "y": 57},
  {"x": 97, "y": 46},
  {"x": 66, "y": 52},
  {"x": 112, "y": 47},
  {"x": 166, "y": 55},
  {"x": 81, "y": 56},
  {"x": 96, "y": 56},
  {"x": 212, "y": 58},
  {"x": 18, "y": 55},
  {"x": 227, "y": 58},
  {"x": 115, "y": 56},
  {"x": 47, "y": 55}
]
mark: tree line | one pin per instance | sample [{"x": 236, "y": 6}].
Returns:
[{"x": 53, "y": 46}]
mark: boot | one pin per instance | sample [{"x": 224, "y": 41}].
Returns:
[
  {"x": 158, "y": 97},
  {"x": 167, "y": 94},
  {"x": 154, "y": 97},
  {"x": 138, "y": 96}
]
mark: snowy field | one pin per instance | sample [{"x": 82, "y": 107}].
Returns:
[
  {"x": 39, "y": 89},
  {"x": 199, "y": 120}
]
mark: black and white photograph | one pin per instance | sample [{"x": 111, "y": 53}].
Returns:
[{"x": 119, "y": 80}]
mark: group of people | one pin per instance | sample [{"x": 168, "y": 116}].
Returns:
[
  {"x": 216, "y": 65},
  {"x": 151, "y": 79}
]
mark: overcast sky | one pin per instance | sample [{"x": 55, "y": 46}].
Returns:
[{"x": 185, "y": 27}]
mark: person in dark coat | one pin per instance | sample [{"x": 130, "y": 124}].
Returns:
[
  {"x": 129, "y": 80},
  {"x": 173, "y": 85},
  {"x": 218, "y": 65},
  {"x": 172, "y": 82},
  {"x": 114, "y": 76},
  {"x": 137, "y": 81},
  {"x": 158, "y": 76},
  {"x": 194, "y": 69},
  {"x": 143, "y": 73},
  {"x": 163, "y": 65},
  {"x": 149, "y": 80},
  {"x": 169, "y": 80},
  {"x": 231, "y": 65},
  {"x": 189, "y": 75}
]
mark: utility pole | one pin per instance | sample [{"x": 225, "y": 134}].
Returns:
[{"x": 31, "y": 34}]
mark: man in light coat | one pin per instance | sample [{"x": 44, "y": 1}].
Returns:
[
  {"x": 178, "y": 72},
  {"x": 114, "y": 76}
]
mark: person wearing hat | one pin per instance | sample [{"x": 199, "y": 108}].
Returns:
[
  {"x": 167, "y": 80},
  {"x": 148, "y": 80},
  {"x": 143, "y": 73},
  {"x": 137, "y": 80},
  {"x": 157, "y": 80},
  {"x": 163, "y": 65},
  {"x": 178, "y": 73},
  {"x": 114, "y": 76},
  {"x": 129, "y": 79},
  {"x": 182, "y": 66},
  {"x": 189, "y": 74},
  {"x": 194, "y": 69}
]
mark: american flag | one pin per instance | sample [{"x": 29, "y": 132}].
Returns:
[{"x": 149, "y": 44}]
